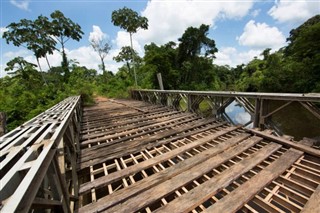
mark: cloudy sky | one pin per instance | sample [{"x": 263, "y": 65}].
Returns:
[{"x": 242, "y": 29}]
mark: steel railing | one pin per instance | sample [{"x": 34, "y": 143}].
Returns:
[{"x": 38, "y": 161}]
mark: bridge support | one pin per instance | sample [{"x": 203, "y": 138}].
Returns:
[{"x": 38, "y": 161}]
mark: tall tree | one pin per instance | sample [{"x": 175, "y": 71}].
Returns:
[
  {"x": 195, "y": 54},
  {"x": 194, "y": 42},
  {"x": 63, "y": 28},
  {"x": 304, "y": 48},
  {"x": 102, "y": 47},
  {"x": 19, "y": 67},
  {"x": 33, "y": 35},
  {"x": 129, "y": 56},
  {"x": 130, "y": 21}
]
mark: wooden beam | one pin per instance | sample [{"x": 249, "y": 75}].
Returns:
[
  {"x": 153, "y": 161},
  {"x": 285, "y": 142},
  {"x": 213, "y": 157},
  {"x": 313, "y": 204},
  {"x": 200, "y": 194},
  {"x": 241, "y": 195}
]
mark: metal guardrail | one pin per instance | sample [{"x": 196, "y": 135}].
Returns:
[
  {"x": 260, "y": 106},
  {"x": 38, "y": 161}
]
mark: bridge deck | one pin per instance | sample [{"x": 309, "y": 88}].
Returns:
[{"x": 137, "y": 157}]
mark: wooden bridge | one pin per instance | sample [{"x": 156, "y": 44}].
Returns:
[{"x": 161, "y": 156}]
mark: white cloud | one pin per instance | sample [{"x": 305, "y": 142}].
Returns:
[
  {"x": 294, "y": 11},
  {"x": 2, "y": 30},
  {"x": 123, "y": 39},
  {"x": 169, "y": 19},
  {"x": 232, "y": 57},
  {"x": 85, "y": 55},
  {"x": 242, "y": 117},
  {"x": 21, "y": 4},
  {"x": 255, "y": 13},
  {"x": 97, "y": 34},
  {"x": 261, "y": 35}
]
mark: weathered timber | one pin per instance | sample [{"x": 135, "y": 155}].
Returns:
[
  {"x": 237, "y": 198},
  {"x": 148, "y": 169},
  {"x": 111, "y": 150},
  {"x": 195, "y": 197},
  {"x": 3, "y": 121},
  {"x": 302, "y": 147},
  {"x": 214, "y": 157},
  {"x": 313, "y": 203},
  {"x": 153, "y": 161},
  {"x": 175, "y": 183},
  {"x": 165, "y": 123}
]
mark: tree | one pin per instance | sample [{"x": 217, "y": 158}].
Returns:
[
  {"x": 33, "y": 35},
  {"x": 63, "y": 29},
  {"x": 195, "y": 54},
  {"x": 129, "y": 56},
  {"x": 162, "y": 59},
  {"x": 194, "y": 41},
  {"x": 304, "y": 51},
  {"x": 102, "y": 47},
  {"x": 130, "y": 21},
  {"x": 19, "y": 68}
]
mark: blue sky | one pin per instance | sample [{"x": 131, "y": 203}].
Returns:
[{"x": 242, "y": 29}]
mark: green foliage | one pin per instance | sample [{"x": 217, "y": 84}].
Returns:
[
  {"x": 129, "y": 20},
  {"x": 187, "y": 65},
  {"x": 42, "y": 35},
  {"x": 294, "y": 68},
  {"x": 63, "y": 28},
  {"x": 102, "y": 47}
]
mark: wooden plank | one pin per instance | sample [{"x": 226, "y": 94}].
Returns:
[
  {"x": 189, "y": 169},
  {"x": 313, "y": 204},
  {"x": 116, "y": 150},
  {"x": 237, "y": 198},
  {"x": 120, "y": 149},
  {"x": 131, "y": 124},
  {"x": 200, "y": 194},
  {"x": 153, "y": 161},
  {"x": 3, "y": 122},
  {"x": 283, "y": 141},
  {"x": 139, "y": 127}
]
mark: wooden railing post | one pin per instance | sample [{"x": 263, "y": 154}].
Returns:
[
  {"x": 256, "y": 120},
  {"x": 2, "y": 123}
]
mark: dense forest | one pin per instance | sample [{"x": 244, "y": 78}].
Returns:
[{"x": 187, "y": 64}]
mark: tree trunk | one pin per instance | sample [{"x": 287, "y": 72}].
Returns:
[
  {"x": 103, "y": 65},
  {"x": 44, "y": 80},
  {"x": 64, "y": 63},
  {"x": 48, "y": 63},
  {"x": 2, "y": 123},
  {"x": 134, "y": 64}
]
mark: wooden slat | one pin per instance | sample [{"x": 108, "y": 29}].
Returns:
[
  {"x": 156, "y": 127},
  {"x": 237, "y": 198},
  {"x": 200, "y": 194},
  {"x": 214, "y": 156},
  {"x": 116, "y": 127},
  {"x": 153, "y": 161},
  {"x": 313, "y": 205},
  {"x": 120, "y": 149},
  {"x": 283, "y": 141}
]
